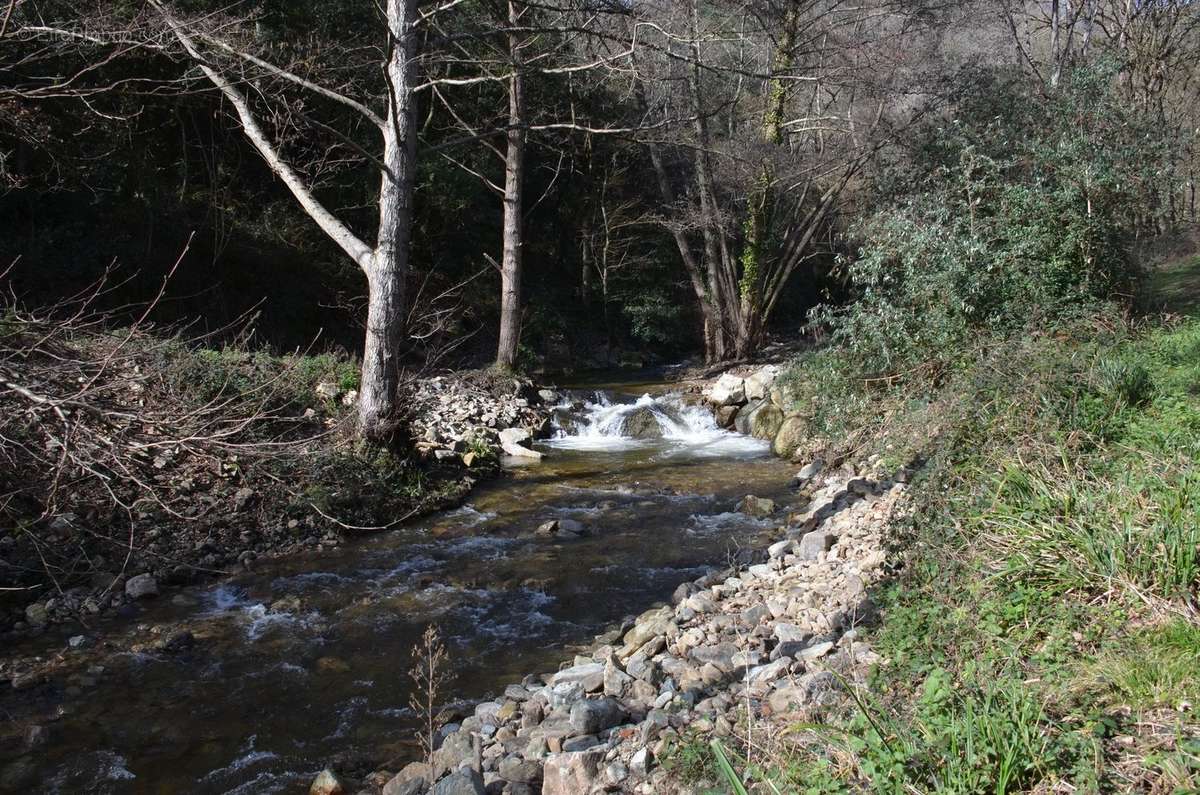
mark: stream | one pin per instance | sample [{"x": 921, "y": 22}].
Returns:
[{"x": 303, "y": 662}]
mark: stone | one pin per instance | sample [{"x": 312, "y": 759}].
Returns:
[
  {"x": 513, "y": 768},
  {"x": 641, "y": 423},
  {"x": 616, "y": 681},
  {"x": 765, "y": 421},
  {"x": 615, "y": 773},
  {"x": 639, "y": 763},
  {"x": 326, "y": 783},
  {"x": 455, "y": 750},
  {"x": 790, "y": 436},
  {"x": 510, "y": 443},
  {"x": 572, "y": 773},
  {"x": 728, "y": 390},
  {"x": 758, "y": 384},
  {"x": 589, "y": 675},
  {"x": 581, "y": 743},
  {"x": 817, "y": 650},
  {"x": 412, "y": 780},
  {"x": 813, "y": 544},
  {"x": 37, "y": 614},
  {"x": 810, "y": 470},
  {"x": 327, "y": 390},
  {"x": 141, "y": 586},
  {"x": 176, "y": 641},
  {"x": 719, "y": 655},
  {"x": 548, "y": 396},
  {"x": 650, "y": 624},
  {"x": 755, "y": 614},
  {"x": 594, "y": 715},
  {"x": 460, "y": 782},
  {"x": 727, "y": 415},
  {"x": 769, "y": 672},
  {"x": 781, "y": 548},
  {"x": 758, "y": 507}
]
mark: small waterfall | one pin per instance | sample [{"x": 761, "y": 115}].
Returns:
[{"x": 602, "y": 421}]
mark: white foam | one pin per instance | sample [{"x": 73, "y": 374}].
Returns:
[{"x": 686, "y": 429}]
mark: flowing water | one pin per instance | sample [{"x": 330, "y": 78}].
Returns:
[{"x": 304, "y": 661}]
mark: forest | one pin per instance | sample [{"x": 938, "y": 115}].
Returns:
[{"x": 810, "y": 387}]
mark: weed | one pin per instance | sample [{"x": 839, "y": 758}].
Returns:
[{"x": 428, "y": 674}]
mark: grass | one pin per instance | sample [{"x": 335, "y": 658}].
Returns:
[{"x": 1043, "y": 634}]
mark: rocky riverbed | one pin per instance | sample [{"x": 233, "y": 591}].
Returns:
[{"x": 749, "y": 649}]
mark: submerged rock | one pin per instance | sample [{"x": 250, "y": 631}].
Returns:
[
  {"x": 758, "y": 507},
  {"x": 141, "y": 587}
]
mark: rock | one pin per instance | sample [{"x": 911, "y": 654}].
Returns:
[
  {"x": 650, "y": 624},
  {"x": 781, "y": 548},
  {"x": 758, "y": 507},
  {"x": 726, "y": 415},
  {"x": 719, "y": 655},
  {"x": 176, "y": 641},
  {"x": 642, "y": 423},
  {"x": 570, "y": 527},
  {"x": 454, "y": 750},
  {"x": 769, "y": 672},
  {"x": 514, "y": 768},
  {"x": 790, "y": 436},
  {"x": 548, "y": 396},
  {"x": 242, "y": 499},
  {"x": 817, "y": 650},
  {"x": 327, "y": 390},
  {"x": 589, "y": 675},
  {"x": 37, "y": 614},
  {"x": 326, "y": 783},
  {"x": 594, "y": 715},
  {"x": 571, "y": 773},
  {"x": 409, "y": 781},
  {"x": 810, "y": 470},
  {"x": 639, "y": 763},
  {"x": 510, "y": 442},
  {"x": 581, "y": 743},
  {"x": 460, "y": 782},
  {"x": 141, "y": 587},
  {"x": 765, "y": 421},
  {"x": 728, "y": 390},
  {"x": 616, "y": 681},
  {"x": 814, "y": 543},
  {"x": 758, "y": 385}
]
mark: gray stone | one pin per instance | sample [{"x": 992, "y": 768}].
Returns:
[
  {"x": 460, "y": 782},
  {"x": 581, "y": 743},
  {"x": 37, "y": 614},
  {"x": 781, "y": 548},
  {"x": 816, "y": 650},
  {"x": 513, "y": 768},
  {"x": 589, "y": 675},
  {"x": 616, "y": 681},
  {"x": 639, "y": 763},
  {"x": 816, "y": 542},
  {"x": 719, "y": 655},
  {"x": 811, "y": 470},
  {"x": 141, "y": 587},
  {"x": 755, "y": 615},
  {"x": 594, "y": 715}
]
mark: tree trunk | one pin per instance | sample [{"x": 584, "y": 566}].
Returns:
[
  {"x": 514, "y": 178},
  {"x": 387, "y": 272}
]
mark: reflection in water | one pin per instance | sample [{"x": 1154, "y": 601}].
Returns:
[{"x": 304, "y": 660}]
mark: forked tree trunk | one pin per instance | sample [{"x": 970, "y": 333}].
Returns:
[
  {"x": 386, "y": 264},
  {"x": 514, "y": 195}
]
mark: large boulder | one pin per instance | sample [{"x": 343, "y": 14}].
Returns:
[
  {"x": 510, "y": 442},
  {"x": 729, "y": 390},
  {"x": 790, "y": 436},
  {"x": 765, "y": 421},
  {"x": 641, "y": 424},
  {"x": 758, "y": 385}
]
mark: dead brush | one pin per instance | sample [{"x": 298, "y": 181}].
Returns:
[
  {"x": 92, "y": 427},
  {"x": 428, "y": 675}
]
